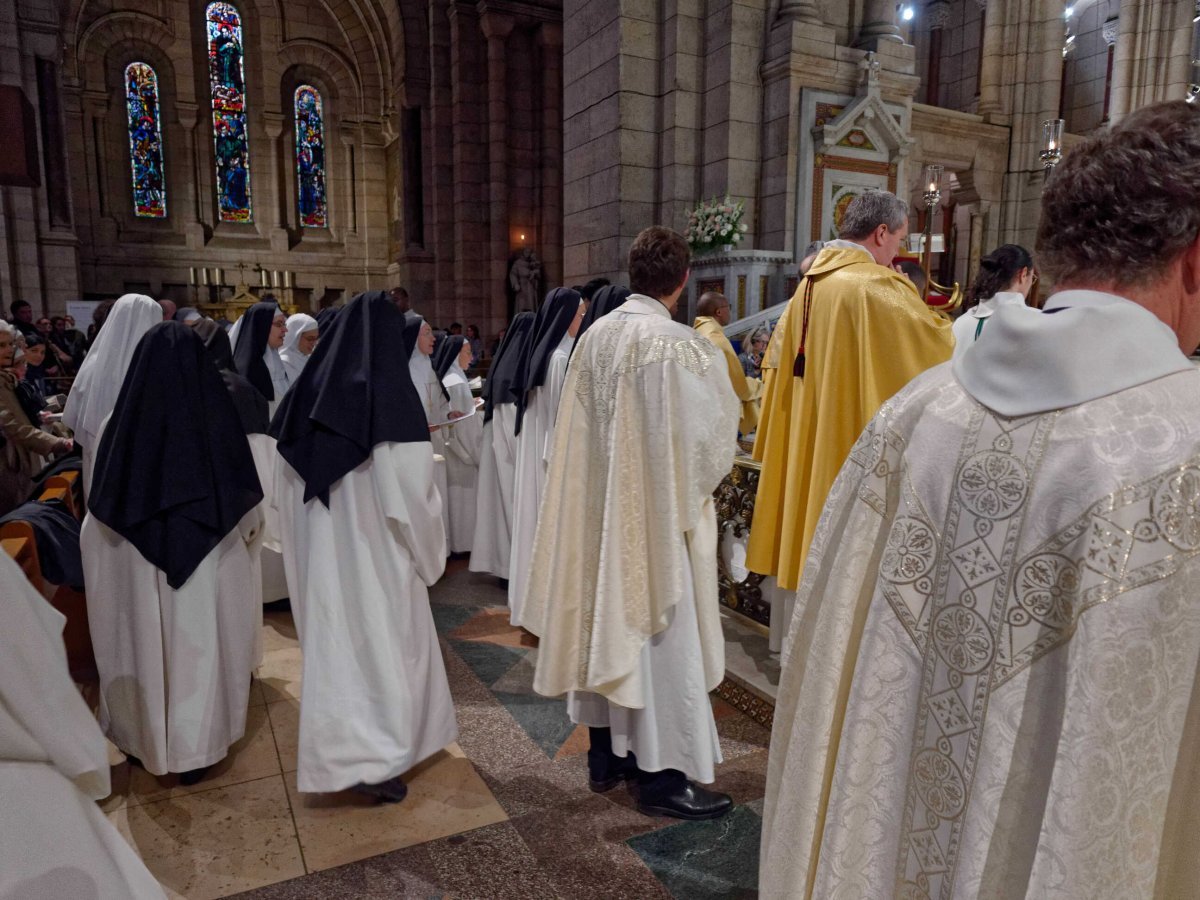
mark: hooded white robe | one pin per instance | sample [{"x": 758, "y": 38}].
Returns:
[
  {"x": 293, "y": 360},
  {"x": 98, "y": 384},
  {"x": 174, "y": 664},
  {"x": 624, "y": 587},
  {"x": 990, "y": 686},
  {"x": 375, "y": 700},
  {"x": 464, "y": 446},
  {"x": 491, "y": 545},
  {"x": 437, "y": 409},
  {"x": 533, "y": 457},
  {"x": 54, "y": 840}
]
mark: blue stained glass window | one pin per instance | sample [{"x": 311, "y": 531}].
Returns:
[
  {"x": 310, "y": 156},
  {"x": 227, "y": 82},
  {"x": 145, "y": 142}
]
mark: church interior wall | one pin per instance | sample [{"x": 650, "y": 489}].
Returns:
[{"x": 1086, "y": 72}]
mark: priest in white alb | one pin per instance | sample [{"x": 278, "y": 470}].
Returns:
[
  {"x": 361, "y": 522},
  {"x": 623, "y": 584},
  {"x": 990, "y": 685}
]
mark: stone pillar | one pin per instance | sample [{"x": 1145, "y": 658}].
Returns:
[
  {"x": 938, "y": 13},
  {"x": 276, "y": 193},
  {"x": 1109, "y": 33},
  {"x": 800, "y": 11},
  {"x": 471, "y": 241},
  {"x": 992, "y": 59},
  {"x": 496, "y": 28},
  {"x": 1152, "y": 60},
  {"x": 550, "y": 236},
  {"x": 878, "y": 25},
  {"x": 188, "y": 115}
]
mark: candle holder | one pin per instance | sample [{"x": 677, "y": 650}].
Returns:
[
  {"x": 1051, "y": 154},
  {"x": 932, "y": 196}
]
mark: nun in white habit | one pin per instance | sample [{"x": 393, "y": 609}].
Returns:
[
  {"x": 256, "y": 358},
  {"x": 435, "y": 401},
  {"x": 463, "y": 441},
  {"x": 491, "y": 544},
  {"x": 168, "y": 560},
  {"x": 95, "y": 390},
  {"x": 54, "y": 840},
  {"x": 539, "y": 382},
  {"x": 359, "y": 513},
  {"x": 298, "y": 344}
]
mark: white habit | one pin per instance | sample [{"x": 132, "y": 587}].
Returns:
[
  {"x": 969, "y": 327},
  {"x": 529, "y": 481},
  {"x": 437, "y": 409},
  {"x": 625, "y": 594},
  {"x": 464, "y": 445},
  {"x": 491, "y": 545},
  {"x": 266, "y": 458},
  {"x": 990, "y": 684},
  {"x": 375, "y": 700},
  {"x": 174, "y": 664},
  {"x": 54, "y": 840}
]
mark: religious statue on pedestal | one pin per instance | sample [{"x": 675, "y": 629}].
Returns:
[{"x": 524, "y": 277}]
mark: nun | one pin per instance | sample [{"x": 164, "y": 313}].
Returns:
[
  {"x": 463, "y": 441},
  {"x": 256, "y": 358},
  {"x": 298, "y": 344},
  {"x": 608, "y": 299},
  {"x": 256, "y": 351},
  {"x": 94, "y": 392},
  {"x": 538, "y": 385},
  {"x": 168, "y": 560},
  {"x": 435, "y": 400},
  {"x": 54, "y": 840},
  {"x": 492, "y": 540},
  {"x": 359, "y": 515}
]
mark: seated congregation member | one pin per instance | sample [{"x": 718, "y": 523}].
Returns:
[
  {"x": 168, "y": 555},
  {"x": 992, "y": 690},
  {"x": 463, "y": 442},
  {"x": 418, "y": 340},
  {"x": 95, "y": 390},
  {"x": 23, "y": 444},
  {"x": 256, "y": 351},
  {"x": 298, "y": 344},
  {"x": 362, "y": 541},
  {"x": 491, "y": 544},
  {"x": 54, "y": 840},
  {"x": 712, "y": 316},
  {"x": 539, "y": 383},
  {"x": 1006, "y": 276},
  {"x": 625, "y": 598}
]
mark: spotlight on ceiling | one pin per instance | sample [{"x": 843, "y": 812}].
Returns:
[{"x": 907, "y": 13}]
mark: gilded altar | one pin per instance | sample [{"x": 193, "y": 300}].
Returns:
[{"x": 233, "y": 308}]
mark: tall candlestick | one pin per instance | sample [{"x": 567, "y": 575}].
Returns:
[{"x": 192, "y": 275}]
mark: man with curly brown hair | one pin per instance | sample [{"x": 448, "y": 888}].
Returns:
[{"x": 990, "y": 684}]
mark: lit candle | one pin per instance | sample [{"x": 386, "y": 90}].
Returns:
[
  {"x": 192, "y": 275},
  {"x": 204, "y": 276},
  {"x": 287, "y": 279},
  {"x": 263, "y": 277},
  {"x": 220, "y": 277}
]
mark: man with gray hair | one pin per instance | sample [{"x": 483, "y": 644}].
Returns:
[
  {"x": 993, "y": 691},
  {"x": 855, "y": 332}
]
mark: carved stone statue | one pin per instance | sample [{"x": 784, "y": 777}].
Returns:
[{"x": 524, "y": 277}]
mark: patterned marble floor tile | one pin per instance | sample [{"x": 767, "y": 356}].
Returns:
[
  {"x": 489, "y": 662},
  {"x": 492, "y": 625},
  {"x": 580, "y": 823},
  {"x": 604, "y": 872},
  {"x": 280, "y": 674},
  {"x": 543, "y": 718},
  {"x": 715, "y": 860},
  {"x": 492, "y": 863},
  {"x": 448, "y": 617},
  {"x": 445, "y": 796},
  {"x": 217, "y": 842},
  {"x": 279, "y": 631},
  {"x": 402, "y": 873},
  {"x": 285, "y": 727}
]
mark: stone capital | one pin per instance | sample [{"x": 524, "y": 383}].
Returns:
[
  {"x": 800, "y": 11},
  {"x": 550, "y": 34},
  {"x": 937, "y": 12},
  {"x": 187, "y": 113},
  {"x": 272, "y": 124},
  {"x": 1109, "y": 30},
  {"x": 497, "y": 26}
]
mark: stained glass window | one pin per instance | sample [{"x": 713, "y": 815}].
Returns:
[
  {"x": 310, "y": 157},
  {"x": 145, "y": 142},
  {"x": 227, "y": 82}
]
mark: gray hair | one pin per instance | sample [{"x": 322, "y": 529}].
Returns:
[
  {"x": 871, "y": 209},
  {"x": 7, "y": 328}
]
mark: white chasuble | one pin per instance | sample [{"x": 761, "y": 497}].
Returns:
[
  {"x": 174, "y": 664},
  {"x": 374, "y": 700},
  {"x": 463, "y": 449},
  {"x": 533, "y": 457},
  {"x": 491, "y": 545},
  {"x": 624, "y": 587},
  {"x": 990, "y": 685},
  {"x": 54, "y": 839}
]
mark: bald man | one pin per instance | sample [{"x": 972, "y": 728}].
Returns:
[{"x": 712, "y": 316}]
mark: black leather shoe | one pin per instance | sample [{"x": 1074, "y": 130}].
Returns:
[
  {"x": 619, "y": 768},
  {"x": 193, "y": 776},
  {"x": 391, "y": 791},
  {"x": 688, "y": 802}
]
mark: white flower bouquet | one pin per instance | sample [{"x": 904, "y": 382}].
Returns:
[{"x": 715, "y": 224}]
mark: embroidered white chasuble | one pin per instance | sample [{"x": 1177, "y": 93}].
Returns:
[
  {"x": 990, "y": 685},
  {"x": 646, "y": 430}
]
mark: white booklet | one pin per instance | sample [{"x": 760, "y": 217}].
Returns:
[{"x": 455, "y": 420}]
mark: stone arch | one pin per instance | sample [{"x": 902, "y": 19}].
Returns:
[{"x": 332, "y": 71}]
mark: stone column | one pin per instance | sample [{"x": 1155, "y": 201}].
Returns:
[
  {"x": 496, "y": 28},
  {"x": 276, "y": 190},
  {"x": 938, "y": 13},
  {"x": 550, "y": 40},
  {"x": 800, "y": 11},
  {"x": 1109, "y": 33},
  {"x": 878, "y": 25},
  {"x": 188, "y": 115},
  {"x": 992, "y": 50}
]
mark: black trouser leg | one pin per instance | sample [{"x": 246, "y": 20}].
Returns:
[{"x": 601, "y": 761}]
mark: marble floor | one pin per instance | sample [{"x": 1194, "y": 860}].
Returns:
[{"x": 504, "y": 812}]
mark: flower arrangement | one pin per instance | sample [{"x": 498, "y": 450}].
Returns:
[{"x": 715, "y": 224}]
